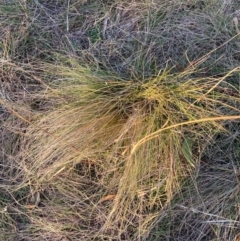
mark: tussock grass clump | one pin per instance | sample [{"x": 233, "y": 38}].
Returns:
[{"x": 133, "y": 142}]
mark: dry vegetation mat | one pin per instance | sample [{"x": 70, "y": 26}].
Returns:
[{"x": 119, "y": 120}]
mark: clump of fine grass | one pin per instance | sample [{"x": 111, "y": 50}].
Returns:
[{"x": 133, "y": 142}]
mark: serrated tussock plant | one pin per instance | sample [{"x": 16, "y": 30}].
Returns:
[{"x": 142, "y": 138}]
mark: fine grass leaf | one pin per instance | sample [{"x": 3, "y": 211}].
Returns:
[{"x": 187, "y": 150}]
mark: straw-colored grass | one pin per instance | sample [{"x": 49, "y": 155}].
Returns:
[{"x": 137, "y": 141}]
